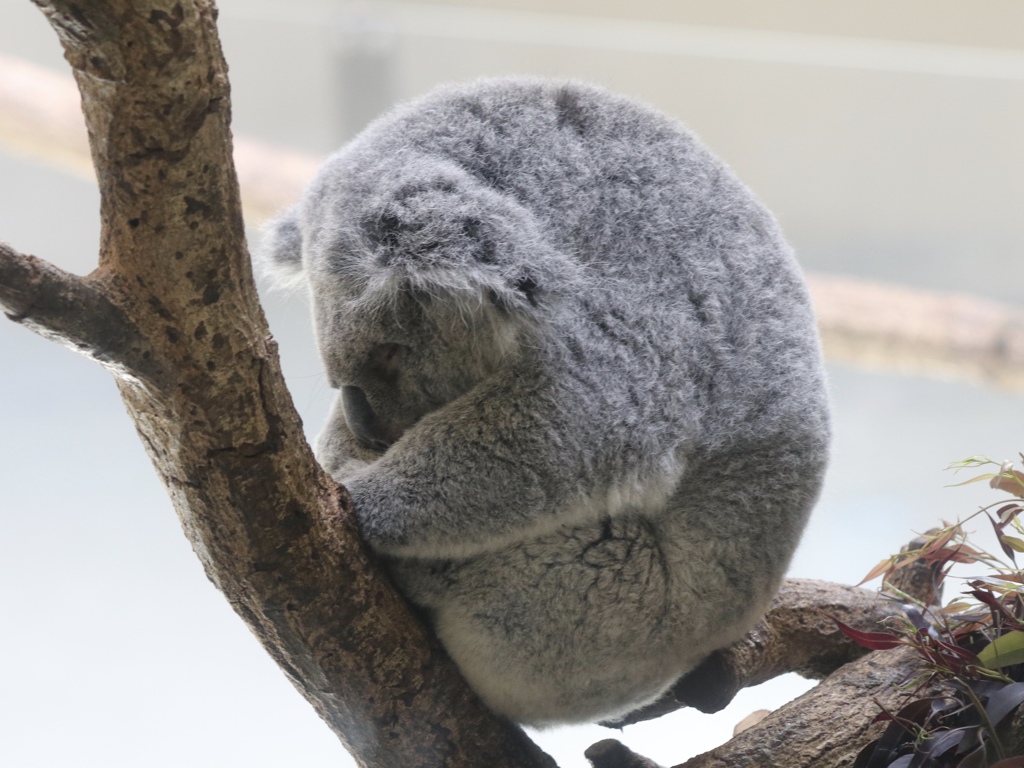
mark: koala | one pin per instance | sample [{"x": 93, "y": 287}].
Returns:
[{"x": 581, "y": 408}]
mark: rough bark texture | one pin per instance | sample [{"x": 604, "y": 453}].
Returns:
[
  {"x": 173, "y": 311},
  {"x": 827, "y": 726},
  {"x": 796, "y": 635}
]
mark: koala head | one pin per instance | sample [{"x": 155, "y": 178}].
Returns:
[{"x": 424, "y": 281}]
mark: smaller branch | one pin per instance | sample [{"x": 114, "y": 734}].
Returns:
[
  {"x": 796, "y": 635},
  {"x": 891, "y": 328},
  {"x": 826, "y": 726},
  {"x": 830, "y": 723},
  {"x": 73, "y": 311}
]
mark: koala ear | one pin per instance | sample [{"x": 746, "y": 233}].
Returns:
[{"x": 279, "y": 256}]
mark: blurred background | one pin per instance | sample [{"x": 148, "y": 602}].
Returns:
[{"x": 886, "y": 137}]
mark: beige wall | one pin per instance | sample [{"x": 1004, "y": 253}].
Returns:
[{"x": 967, "y": 22}]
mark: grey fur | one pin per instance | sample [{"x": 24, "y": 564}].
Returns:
[{"x": 584, "y": 375}]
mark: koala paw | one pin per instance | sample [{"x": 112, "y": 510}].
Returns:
[{"x": 381, "y": 524}]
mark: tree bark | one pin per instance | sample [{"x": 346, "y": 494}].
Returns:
[
  {"x": 796, "y": 635},
  {"x": 828, "y": 725},
  {"x": 172, "y": 311}
]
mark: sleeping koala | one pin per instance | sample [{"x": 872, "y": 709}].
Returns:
[{"x": 581, "y": 407}]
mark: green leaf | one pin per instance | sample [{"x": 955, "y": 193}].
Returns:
[{"x": 1004, "y": 651}]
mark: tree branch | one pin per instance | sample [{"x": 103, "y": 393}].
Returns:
[
  {"x": 796, "y": 635},
  {"x": 889, "y": 327},
  {"x": 272, "y": 531},
  {"x": 827, "y": 726},
  {"x": 73, "y": 312}
]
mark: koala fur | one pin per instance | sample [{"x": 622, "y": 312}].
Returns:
[{"x": 582, "y": 412}]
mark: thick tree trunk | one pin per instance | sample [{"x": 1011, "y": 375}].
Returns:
[{"x": 172, "y": 311}]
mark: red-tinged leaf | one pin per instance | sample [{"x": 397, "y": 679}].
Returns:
[
  {"x": 916, "y": 711},
  {"x": 998, "y": 607},
  {"x": 941, "y": 540},
  {"x": 961, "y": 553},
  {"x": 1003, "y": 702},
  {"x": 1002, "y": 538},
  {"x": 876, "y": 641},
  {"x": 949, "y": 649},
  {"x": 1010, "y": 762},
  {"x": 878, "y": 570},
  {"x": 1009, "y": 480},
  {"x": 1007, "y": 512},
  {"x": 986, "y": 596}
]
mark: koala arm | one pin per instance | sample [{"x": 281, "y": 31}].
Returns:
[
  {"x": 337, "y": 448},
  {"x": 504, "y": 463}
]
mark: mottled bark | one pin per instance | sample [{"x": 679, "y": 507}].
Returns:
[
  {"x": 825, "y": 728},
  {"x": 828, "y": 725},
  {"x": 172, "y": 311}
]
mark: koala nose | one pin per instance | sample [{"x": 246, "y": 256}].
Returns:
[{"x": 363, "y": 421}]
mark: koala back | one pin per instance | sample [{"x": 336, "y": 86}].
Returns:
[{"x": 582, "y": 409}]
